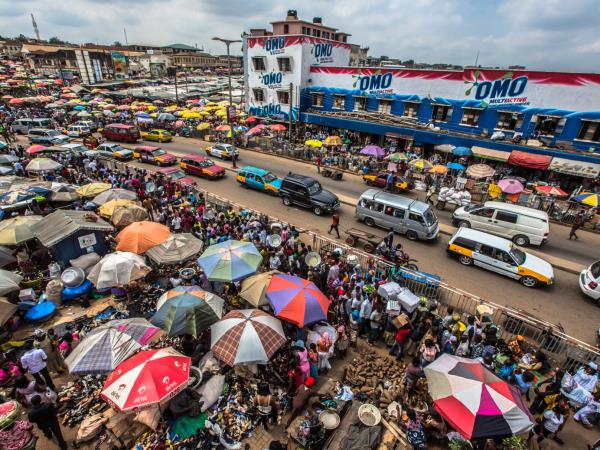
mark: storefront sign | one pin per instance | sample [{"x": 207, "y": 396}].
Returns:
[
  {"x": 502, "y": 91},
  {"x": 89, "y": 240},
  {"x": 322, "y": 52},
  {"x": 275, "y": 45},
  {"x": 577, "y": 168},
  {"x": 119, "y": 61}
]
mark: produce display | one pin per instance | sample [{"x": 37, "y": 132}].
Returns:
[{"x": 9, "y": 412}]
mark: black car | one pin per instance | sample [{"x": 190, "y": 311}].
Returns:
[{"x": 307, "y": 192}]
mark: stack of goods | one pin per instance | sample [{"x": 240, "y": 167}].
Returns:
[
  {"x": 234, "y": 408},
  {"x": 81, "y": 398}
]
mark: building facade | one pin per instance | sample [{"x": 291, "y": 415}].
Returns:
[{"x": 194, "y": 60}]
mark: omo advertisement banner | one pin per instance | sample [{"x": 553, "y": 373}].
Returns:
[
  {"x": 119, "y": 61},
  {"x": 492, "y": 88}
]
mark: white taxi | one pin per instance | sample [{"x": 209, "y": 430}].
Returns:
[
  {"x": 116, "y": 151},
  {"x": 223, "y": 151}
]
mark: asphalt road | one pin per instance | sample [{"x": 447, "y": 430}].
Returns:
[{"x": 562, "y": 303}]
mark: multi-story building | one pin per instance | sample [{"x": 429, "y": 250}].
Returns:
[
  {"x": 194, "y": 60},
  {"x": 10, "y": 47},
  {"x": 180, "y": 48}
]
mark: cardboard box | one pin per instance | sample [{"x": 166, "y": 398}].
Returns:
[{"x": 401, "y": 320}]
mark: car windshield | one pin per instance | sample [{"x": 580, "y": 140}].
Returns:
[
  {"x": 314, "y": 188},
  {"x": 53, "y": 133},
  {"x": 116, "y": 148},
  {"x": 159, "y": 152},
  {"x": 268, "y": 177},
  {"x": 430, "y": 217},
  {"x": 177, "y": 174},
  {"x": 470, "y": 208},
  {"x": 207, "y": 163},
  {"x": 518, "y": 255}
]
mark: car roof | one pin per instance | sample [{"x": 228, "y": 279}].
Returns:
[
  {"x": 149, "y": 148},
  {"x": 395, "y": 200},
  {"x": 72, "y": 145},
  {"x": 110, "y": 144},
  {"x": 162, "y": 130},
  {"x": 518, "y": 209},
  {"x": 119, "y": 125},
  {"x": 42, "y": 129},
  {"x": 302, "y": 179},
  {"x": 169, "y": 169},
  {"x": 484, "y": 238},
  {"x": 195, "y": 157},
  {"x": 255, "y": 170},
  {"x": 223, "y": 144}
]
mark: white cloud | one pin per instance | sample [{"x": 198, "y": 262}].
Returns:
[{"x": 541, "y": 34}]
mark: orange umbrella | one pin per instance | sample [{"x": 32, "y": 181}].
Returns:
[{"x": 140, "y": 237}]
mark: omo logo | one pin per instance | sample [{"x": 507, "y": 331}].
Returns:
[
  {"x": 505, "y": 89},
  {"x": 321, "y": 50},
  {"x": 275, "y": 44},
  {"x": 377, "y": 81},
  {"x": 273, "y": 78},
  {"x": 266, "y": 110}
]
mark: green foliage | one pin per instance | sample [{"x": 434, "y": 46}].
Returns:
[{"x": 514, "y": 443}]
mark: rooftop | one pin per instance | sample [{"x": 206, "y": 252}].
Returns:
[
  {"x": 61, "y": 224},
  {"x": 181, "y": 47}
]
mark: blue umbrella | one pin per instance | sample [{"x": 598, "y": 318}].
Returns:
[
  {"x": 143, "y": 115},
  {"x": 166, "y": 117},
  {"x": 79, "y": 108},
  {"x": 230, "y": 261},
  {"x": 462, "y": 151},
  {"x": 455, "y": 166}
]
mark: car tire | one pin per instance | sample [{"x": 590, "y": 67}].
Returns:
[
  {"x": 465, "y": 260},
  {"x": 369, "y": 183},
  {"x": 528, "y": 281},
  {"x": 318, "y": 210},
  {"x": 369, "y": 222},
  {"x": 521, "y": 240},
  {"x": 287, "y": 201},
  {"x": 464, "y": 224},
  {"x": 412, "y": 235}
]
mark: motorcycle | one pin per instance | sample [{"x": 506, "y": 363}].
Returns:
[{"x": 397, "y": 256}]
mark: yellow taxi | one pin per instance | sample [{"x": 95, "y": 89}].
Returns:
[
  {"x": 157, "y": 135},
  {"x": 379, "y": 180}
]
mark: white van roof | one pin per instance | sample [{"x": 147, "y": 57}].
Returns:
[
  {"x": 484, "y": 238},
  {"x": 395, "y": 200},
  {"x": 524, "y": 210}
]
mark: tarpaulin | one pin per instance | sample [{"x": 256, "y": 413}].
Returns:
[
  {"x": 529, "y": 160},
  {"x": 577, "y": 168},
  {"x": 488, "y": 153}
]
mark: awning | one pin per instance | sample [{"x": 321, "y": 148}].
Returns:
[
  {"x": 488, "y": 153},
  {"x": 577, "y": 168},
  {"x": 529, "y": 160}
]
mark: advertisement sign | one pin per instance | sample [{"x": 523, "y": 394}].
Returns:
[
  {"x": 89, "y": 240},
  {"x": 119, "y": 61},
  {"x": 272, "y": 80},
  {"x": 158, "y": 70}
]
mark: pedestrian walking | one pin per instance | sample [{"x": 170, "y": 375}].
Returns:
[
  {"x": 335, "y": 223},
  {"x": 389, "y": 181},
  {"x": 35, "y": 361},
  {"x": 233, "y": 160},
  {"x": 44, "y": 415},
  {"x": 318, "y": 163},
  {"x": 579, "y": 221}
]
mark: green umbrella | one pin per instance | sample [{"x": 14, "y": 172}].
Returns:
[
  {"x": 230, "y": 261},
  {"x": 397, "y": 157}
]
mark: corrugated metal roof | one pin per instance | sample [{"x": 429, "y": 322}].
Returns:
[{"x": 63, "y": 223}]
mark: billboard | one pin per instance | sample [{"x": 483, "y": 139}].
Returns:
[
  {"x": 120, "y": 65},
  {"x": 490, "y": 88}
]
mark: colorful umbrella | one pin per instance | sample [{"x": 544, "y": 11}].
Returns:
[
  {"x": 297, "y": 300},
  {"x": 254, "y": 288},
  {"x": 118, "y": 269},
  {"x": 312, "y": 143},
  {"x": 124, "y": 215},
  {"x": 333, "y": 140},
  {"x": 277, "y": 127},
  {"x": 187, "y": 310},
  {"x": 42, "y": 165},
  {"x": 438, "y": 168},
  {"x": 223, "y": 128},
  {"x": 108, "y": 345},
  {"x": 246, "y": 336},
  {"x": 251, "y": 119},
  {"x": 108, "y": 209},
  {"x": 114, "y": 194},
  {"x": 139, "y": 237},
  {"x": 474, "y": 401},
  {"x": 147, "y": 378},
  {"x": 34, "y": 149},
  {"x": 551, "y": 190},
  {"x": 93, "y": 189},
  {"x": 373, "y": 150},
  {"x": 421, "y": 164},
  {"x": 230, "y": 261},
  {"x": 588, "y": 198},
  {"x": 462, "y": 151},
  {"x": 479, "y": 171},
  {"x": 455, "y": 166},
  {"x": 397, "y": 157},
  {"x": 509, "y": 186},
  {"x": 18, "y": 229},
  {"x": 176, "y": 249}
]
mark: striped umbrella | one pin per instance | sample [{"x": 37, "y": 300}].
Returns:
[
  {"x": 421, "y": 164},
  {"x": 479, "y": 171},
  {"x": 588, "y": 198},
  {"x": 230, "y": 261},
  {"x": 246, "y": 336}
]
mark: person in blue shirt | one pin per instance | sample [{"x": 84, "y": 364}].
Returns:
[
  {"x": 524, "y": 381},
  {"x": 506, "y": 370}
]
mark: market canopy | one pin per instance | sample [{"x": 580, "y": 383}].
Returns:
[
  {"x": 577, "y": 168},
  {"x": 230, "y": 261},
  {"x": 246, "y": 336},
  {"x": 114, "y": 194},
  {"x": 17, "y": 229},
  {"x": 147, "y": 378},
  {"x": 529, "y": 160},
  {"x": 42, "y": 165},
  {"x": 108, "y": 208},
  {"x": 93, "y": 189},
  {"x": 6, "y": 256},
  {"x": 7, "y": 309},
  {"x": 176, "y": 249},
  {"x": 474, "y": 401},
  {"x": 488, "y": 153},
  {"x": 124, "y": 215}
]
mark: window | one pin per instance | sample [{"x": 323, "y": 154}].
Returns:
[
  {"x": 305, "y": 30},
  {"x": 286, "y": 29},
  {"x": 360, "y": 103},
  {"x": 506, "y": 217},
  {"x": 326, "y": 34},
  {"x": 441, "y": 113},
  {"x": 259, "y": 94},
  {"x": 339, "y": 101},
  {"x": 378, "y": 207},
  {"x": 589, "y": 131},
  {"x": 484, "y": 212},
  {"x": 399, "y": 213},
  {"x": 508, "y": 120},
  {"x": 416, "y": 218},
  {"x": 465, "y": 243},
  {"x": 486, "y": 250},
  {"x": 259, "y": 63},
  {"x": 470, "y": 117},
  {"x": 318, "y": 33},
  {"x": 314, "y": 32},
  {"x": 283, "y": 97},
  {"x": 285, "y": 64},
  {"x": 385, "y": 106},
  {"x": 317, "y": 99},
  {"x": 549, "y": 125},
  {"x": 411, "y": 109}
]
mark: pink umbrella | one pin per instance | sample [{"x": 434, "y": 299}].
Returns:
[
  {"x": 35, "y": 149},
  {"x": 277, "y": 127},
  {"x": 509, "y": 186},
  {"x": 255, "y": 130}
]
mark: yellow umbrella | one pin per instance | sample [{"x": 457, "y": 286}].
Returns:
[
  {"x": 438, "y": 168},
  {"x": 211, "y": 104},
  {"x": 190, "y": 115},
  {"x": 93, "y": 189},
  {"x": 333, "y": 140},
  {"x": 127, "y": 214},
  {"x": 314, "y": 143},
  {"x": 18, "y": 229},
  {"x": 254, "y": 288},
  {"x": 422, "y": 164},
  {"x": 221, "y": 113},
  {"x": 108, "y": 209},
  {"x": 203, "y": 126}
]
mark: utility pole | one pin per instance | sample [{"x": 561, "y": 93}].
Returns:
[
  {"x": 290, "y": 113},
  {"x": 35, "y": 27},
  {"x": 228, "y": 42}
]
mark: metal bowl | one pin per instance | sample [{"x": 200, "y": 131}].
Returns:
[{"x": 329, "y": 419}]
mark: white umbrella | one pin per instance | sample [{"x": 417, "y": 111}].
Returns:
[
  {"x": 479, "y": 171},
  {"x": 42, "y": 165},
  {"x": 114, "y": 194},
  {"x": 176, "y": 249},
  {"x": 118, "y": 269},
  {"x": 9, "y": 281},
  {"x": 6, "y": 256},
  {"x": 246, "y": 336}
]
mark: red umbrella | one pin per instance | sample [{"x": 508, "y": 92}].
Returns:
[
  {"x": 551, "y": 190},
  {"x": 147, "y": 378},
  {"x": 251, "y": 119},
  {"x": 16, "y": 101},
  {"x": 277, "y": 127},
  {"x": 255, "y": 130},
  {"x": 223, "y": 128},
  {"x": 35, "y": 149},
  {"x": 261, "y": 126}
]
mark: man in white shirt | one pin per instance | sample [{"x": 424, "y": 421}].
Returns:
[
  {"x": 366, "y": 308},
  {"x": 35, "y": 362},
  {"x": 587, "y": 377}
]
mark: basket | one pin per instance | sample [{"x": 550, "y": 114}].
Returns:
[{"x": 369, "y": 415}]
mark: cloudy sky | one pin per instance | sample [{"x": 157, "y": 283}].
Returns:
[{"x": 540, "y": 34}]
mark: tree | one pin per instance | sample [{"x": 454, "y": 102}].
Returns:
[
  {"x": 409, "y": 62},
  {"x": 117, "y": 44},
  {"x": 55, "y": 40}
]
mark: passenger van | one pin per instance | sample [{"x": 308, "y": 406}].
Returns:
[
  {"x": 46, "y": 137},
  {"x": 411, "y": 217},
  {"x": 499, "y": 255},
  {"x": 522, "y": 225},
  {"x": 121, "y": 132},
  {"x": 22, "y": 126}
]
